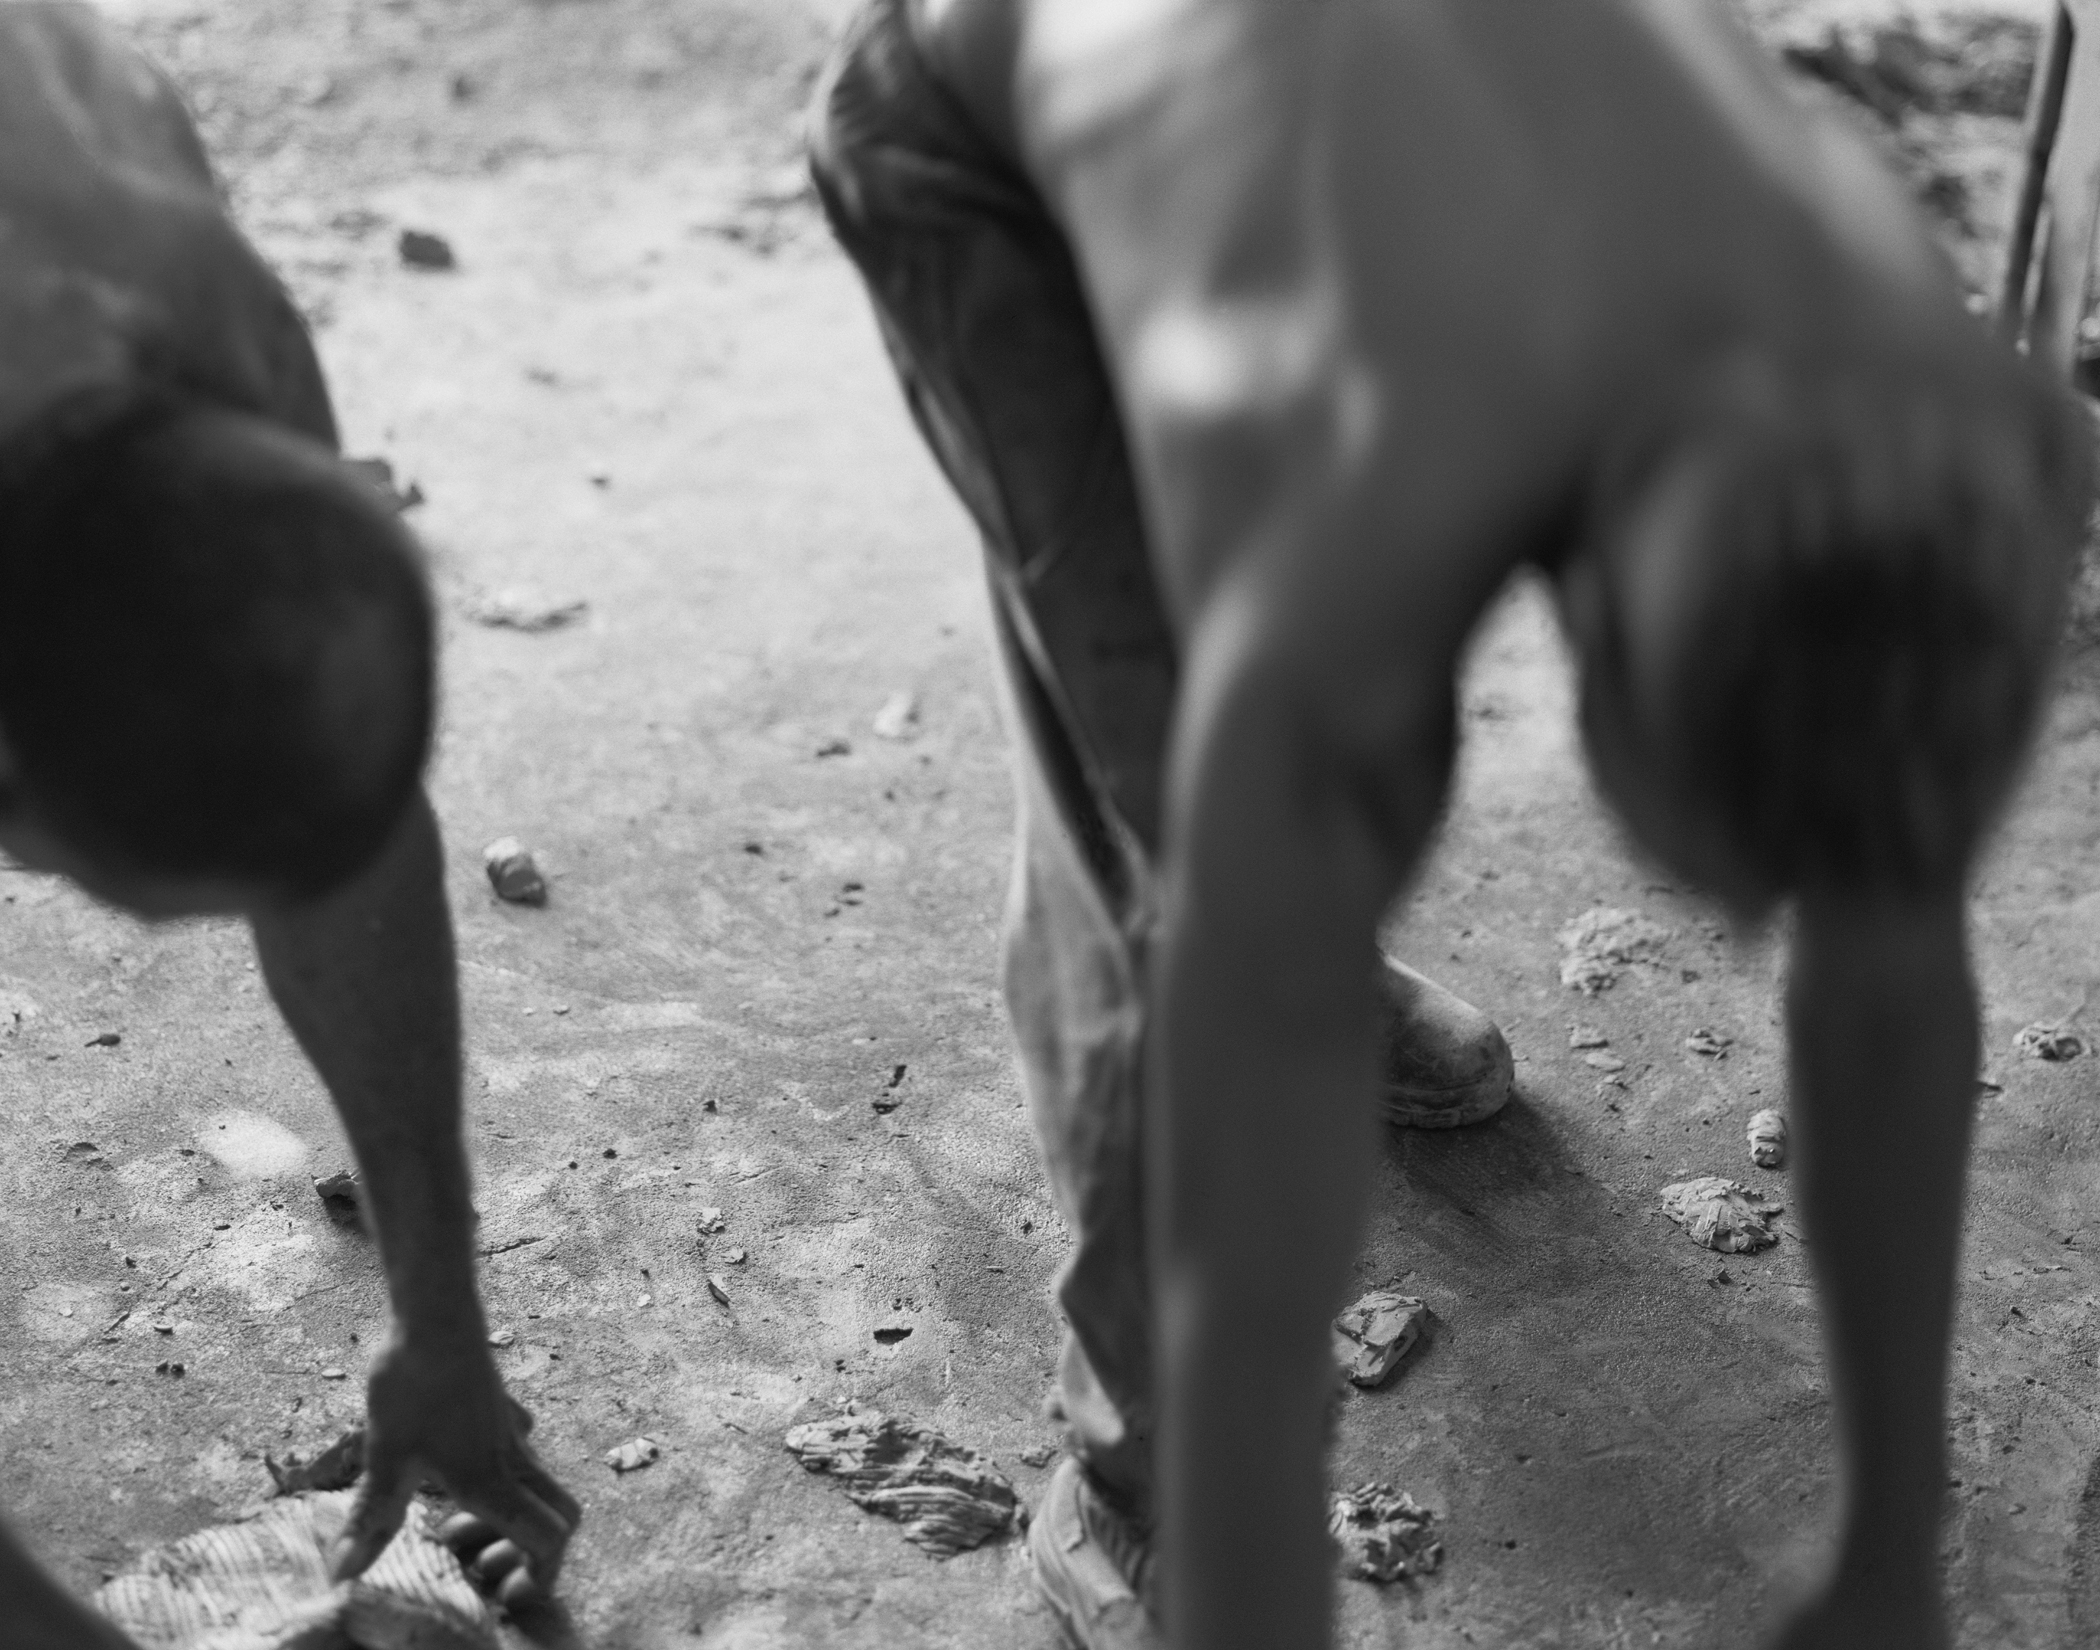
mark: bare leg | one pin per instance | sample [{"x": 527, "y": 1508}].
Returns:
[
  {"x": 39, "y": 1616},
  {"x": 1883, "y": 1020}
]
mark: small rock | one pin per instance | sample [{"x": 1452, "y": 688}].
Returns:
[
  {"x": 104, "y": 1039},
  {"x": 331, "y": 1373},
  {"x": 1768, "y": 1139},
  {"x": 737, "y": 1257},
  {"x": 517, "y": 609},
  {"x": 1714, "y": 1045},
  {"x": 1038, "y": 1455},
  {"x": 337, "y": 1467},
  {"x": 167, "y": 1366},
  {"x": 342, "y": 1195},
  {"x": 718, "y": 1288},
  {"x": 87, "y": 1154},
  {"x": 1373, "y": 1335},
  {"x": 512, "y": 873},
  {"x": 712, "y": 1221},
  {"x": 2048, "y": 1042},
  {"x": 898, "y": 718},
  {"x": 835, "y": 747},
  {"x": 1597, "y": 1060},
  {"x": 222, "y": 1226},
  {"x": 891, "y": 1334},
  {"x": 1383, "y": 1536},
  {"x": 948, "y": 1498},
  {"x": 503, "y": 1337},
  {"x": 422, "y": 250},
  {"x": 1602, "y": 943},
  {"x": 1722, "y": 1214},
  {"x": 1582, "y": 1036},
  {"x": 633, "y": 1455}
]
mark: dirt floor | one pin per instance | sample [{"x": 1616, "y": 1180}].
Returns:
[{"x": 650, "y": 384}]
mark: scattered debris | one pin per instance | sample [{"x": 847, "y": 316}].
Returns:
[
  {"x": 503, "y": 1337},
  {"x": 487, "y": 1250},
  {"x": 891, "y": 1334},
  {"x": 1583, "y": 1036},
  {"x": 379, "y": 472},
  {"x": 949, "y": 1499},
  {"x": 1038, "y": 1455},
  {"x": 712, "y": 1220},
  {"x": 270, "y": 1575},
  {"x": 1602, "y": 943},
  {"x": 718, "y": 1287},
  {"x": 835, "y": 747},
  {"x": 1714, "y": 1045},
  {"x": 899, "y": 717},
  {"x": 1598, "y": 1060},
  {"x": 737, "y": 1257},
  {"x": 633, "y": 1455},
  {"x": 1721, "y": 1214},
  {"x": 1383, "y": 1535},
  {"x": 422, "y": 250},
  {"x": 337, "y": 1467},
  {"x": 514, "y": 608},
  {"x": 1374, "y": 1334},
  {"x": 1949, "y": 64},
  {"x": 1768, "y": 1139},
  {"x": 167, "y": 1366},
  {"x": 512, "y": 872},
  {"x": 87, "y": 1154},
  {"x": 104, "y": 1039},
  {"x": 889, "y": 1099},
  {"x": 342, "y": 1195},
  {"x": 2042, "y": 1041}
]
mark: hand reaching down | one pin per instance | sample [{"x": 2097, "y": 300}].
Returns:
[{"x": 440, "y": 1414}]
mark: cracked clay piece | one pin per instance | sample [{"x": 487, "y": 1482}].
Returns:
[
  {"x": 1375, "y": 1333},
  {"x": 1602, "y": 944},
  {"x": 262, "y": 1584},
  {"x": 1721, "y": 1214},
  {"x": 1382, "y": 1535},
  {"x": 2048, "y": 1042},
  {"x": 1768, "y": 1139},
  {"x": 948, "y": 1498}
]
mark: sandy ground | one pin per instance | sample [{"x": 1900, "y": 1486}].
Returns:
[{"x": 650, "y": 384}]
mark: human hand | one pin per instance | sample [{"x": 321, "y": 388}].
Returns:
[{"x": 438, "y": 1411}]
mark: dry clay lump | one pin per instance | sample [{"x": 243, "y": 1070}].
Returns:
[
  {"x": 1768, "y": 1139},
  {"x": 948, "y": 1498},
  {"x": 1721, "y": 1214},
  {"x": 263, "y": 1585},
  {"x": 1383, "y": 1536},
  {"x": 1601, "y": 944},
  {"x": 1373, "y": 1335},
  {"x": 512, "y": 872}
]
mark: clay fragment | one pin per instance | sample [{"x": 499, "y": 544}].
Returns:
[
  {"x": 1768, "y": 1139},
  {"x": 342, "y": 1195},
  {"x": 512, "y": 873},
  {"x": 379, "y": 474},
  {"x": 948, "y": 1498},
  {"x": 500, "y": 1338},
  {"x": 633, "y": 1455},
  {"x": 718, "y": 1287},
  {"x": 104, "y": 1039},
  {"x": 87, "y": 1154},
  {"x": 262, "y": 1584},
  {"x": 1597, "y": 1060},
  {"x": 337, "y": 1467},
  {"x": 898, "y": 718},
  {"x": 2042, "y": 1041},
  {"x": 1721, "y": 1214},
  {"x": 1582, "y": 1036},
  {"x": 1713, "y": 1045},
  {"x": 712, "y": 1220},
  {"x": 523, "y": 610},
  {"x": 1374, "y": 1335},
  {"x": 1383, "y": 1535},
  {"x": 1038, "y": 1455},
  {"x": 422, "y": 250},
  {"x": 1601, "y": 944}
]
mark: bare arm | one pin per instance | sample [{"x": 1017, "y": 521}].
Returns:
[{"x": 366, "y": 980}]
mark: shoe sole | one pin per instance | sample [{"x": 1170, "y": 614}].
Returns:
[{"x": 1451, "y": 1108}]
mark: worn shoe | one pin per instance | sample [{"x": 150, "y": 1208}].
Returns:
[
  {"x": 1446, "y": 1063},
  {"x": 1091, "y": 1566}
]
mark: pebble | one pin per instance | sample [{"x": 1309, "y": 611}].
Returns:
[
  {"x": 633, "y": 1455},
  {"x": 513, "y": 873},
  {"x": 1768, "y": 1139},
  {"x": 420, "y": 249}
]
